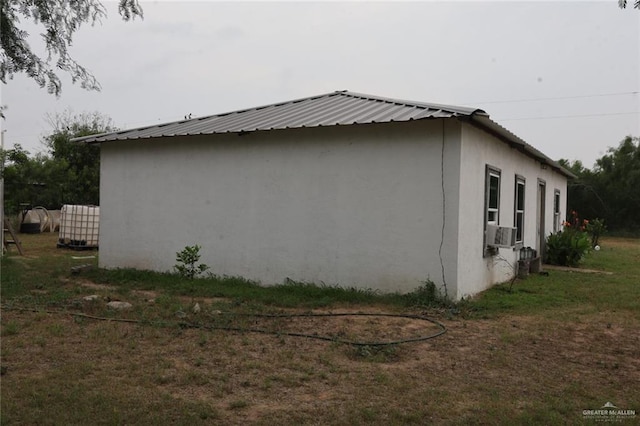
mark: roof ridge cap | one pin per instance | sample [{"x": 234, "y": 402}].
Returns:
[{"x": 418, "y": 104}]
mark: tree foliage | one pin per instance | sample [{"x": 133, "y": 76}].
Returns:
[
  {"x": 611, "y": 190},
  {"x": 68, "y": 174},
  {"x": 60, "y": 20},
  {"x": 26, "y": 179},
  {"x": 80, "y": 161},
  {"x": 623, "y": 4}
]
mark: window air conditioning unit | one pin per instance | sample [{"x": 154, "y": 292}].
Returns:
[{"x": 501, "y": 236}]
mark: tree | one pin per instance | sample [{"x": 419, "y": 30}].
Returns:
[
  {"x": 623, "y": 4},
  {"x": 68, "y": 174},
  {"x": 583, "y": 192},
  {"x": 610, "y": 190},
  {"x": 30, "y": 180},
  {"x": 60, "y": 19},
  {"x": 80, "y": 161},
  {"x": 619, "y": 180}
]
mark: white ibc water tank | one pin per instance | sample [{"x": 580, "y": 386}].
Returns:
[{"x": 79, "y": 226}]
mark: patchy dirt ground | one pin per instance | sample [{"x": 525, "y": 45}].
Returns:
[
  {"x": 544, "y": 368},
  {"x": 479, "y": 370}
]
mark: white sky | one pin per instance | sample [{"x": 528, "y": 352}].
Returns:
[{"x": 564, "y": 76}]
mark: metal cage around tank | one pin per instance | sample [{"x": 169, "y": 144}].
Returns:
[{"x": 79, "y": 227}]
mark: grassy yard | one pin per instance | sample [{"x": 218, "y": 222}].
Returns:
[{"x": 541, "y": 353}]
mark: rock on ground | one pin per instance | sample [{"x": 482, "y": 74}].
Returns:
[{"x": 119, "y": 305}]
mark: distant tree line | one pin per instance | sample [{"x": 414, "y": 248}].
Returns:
[
  {"x": 68, "y": 173},
  {"x": 611, "y": 189}
]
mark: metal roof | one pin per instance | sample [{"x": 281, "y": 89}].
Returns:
[{"x": 341, "y": 108}]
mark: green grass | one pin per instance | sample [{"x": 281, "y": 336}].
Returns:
[
  {"x": 45, "y": 281},
  {"x": 80, "y": 404},
  {"x": 552, "y": 347},
  {"x": 42, "y": 281},
  {"x": 563, "y": 291},
  {"x": 290, "y": 294},
  {"x": 46, "y": 269}
]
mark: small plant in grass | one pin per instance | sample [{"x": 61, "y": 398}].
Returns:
[
  {"x": 187, "y": 266},
  {"x": 568, "y": 246},
  {"x": 425, "y": 295},
  {"x": 10, "y": 329}
]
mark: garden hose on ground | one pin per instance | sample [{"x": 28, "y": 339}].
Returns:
[{"x": 184, "y": 324}]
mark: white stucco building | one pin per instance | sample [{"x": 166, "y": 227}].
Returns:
[{"x": 341, "y": 188}]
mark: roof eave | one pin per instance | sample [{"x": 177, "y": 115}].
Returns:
[{"x": 484, "y": 122}]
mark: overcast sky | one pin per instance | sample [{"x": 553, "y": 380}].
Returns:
[{"x": 564, "y": 76}]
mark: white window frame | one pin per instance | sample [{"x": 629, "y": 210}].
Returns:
[
  {"x": 556, "y": 211},
  {"x": 519, "y": 207},
  {"x": 492, "y": 213},
  {"x": 490, "y": 172}
]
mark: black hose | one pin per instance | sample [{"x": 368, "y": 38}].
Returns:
[
  {"x": 184, "y": 324},
  {"x": 327, "y": 338}
]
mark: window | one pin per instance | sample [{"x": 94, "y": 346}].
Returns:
[
  {"x": 492, "y": 200},
  {"x": 518, "y": 219},
  {"x": 556, "y": 210}
]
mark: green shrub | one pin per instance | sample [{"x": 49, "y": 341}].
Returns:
[
  {"x": 425, "y": 295},
  {"x": 187, "y": 259},
  {"x": 568, "y": 246}
]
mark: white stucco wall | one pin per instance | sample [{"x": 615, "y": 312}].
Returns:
[
  {"x": 355, "y": 205},
  {"x": 479, "y": 149}
]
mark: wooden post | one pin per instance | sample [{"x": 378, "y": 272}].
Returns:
[{"x": 9, "y": 229}]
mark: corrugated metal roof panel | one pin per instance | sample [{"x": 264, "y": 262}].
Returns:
[{"x": 331, "y": 109}]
